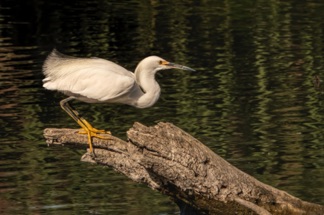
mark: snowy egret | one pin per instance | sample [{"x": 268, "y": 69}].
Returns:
[{"x": 96, "y": 80}]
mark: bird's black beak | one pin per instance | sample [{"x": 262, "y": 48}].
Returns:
[{"x": 177, "y": 66}]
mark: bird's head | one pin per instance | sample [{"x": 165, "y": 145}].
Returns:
[{"x": 155, "y": 63}]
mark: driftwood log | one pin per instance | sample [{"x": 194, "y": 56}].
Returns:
[{"x": 169, "y": 160}]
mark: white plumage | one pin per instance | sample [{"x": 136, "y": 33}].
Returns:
[
  {"x": 96, "y": 80},
  {"x": 88, "y": 79}
]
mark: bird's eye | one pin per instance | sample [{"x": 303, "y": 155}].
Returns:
[{"x": 160, "y": 62}]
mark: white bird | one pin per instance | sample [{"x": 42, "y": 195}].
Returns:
[{"x": 96, "y": 80}]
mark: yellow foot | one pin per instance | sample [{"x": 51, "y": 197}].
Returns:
[
  {"x": 93, "y": 132},
  {"x": 92, "y": 129}
]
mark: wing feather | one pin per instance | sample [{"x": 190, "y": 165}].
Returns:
[{"x": 92, "y": 78}]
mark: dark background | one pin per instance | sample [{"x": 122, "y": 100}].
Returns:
[{"x": 256, "y": 98}]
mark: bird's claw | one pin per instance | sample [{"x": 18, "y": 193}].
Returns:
[{"x": 95, "y": 133}]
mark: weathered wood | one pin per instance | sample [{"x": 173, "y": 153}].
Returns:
[{"x": 171, "y": 161}]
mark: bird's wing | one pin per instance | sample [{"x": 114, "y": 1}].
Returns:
[{"x": 93, "y": 78}]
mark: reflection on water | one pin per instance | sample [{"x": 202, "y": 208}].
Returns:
[{"x": 256, "y": 98}]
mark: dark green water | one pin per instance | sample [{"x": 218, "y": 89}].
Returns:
[{"x": 256, "y": 98}]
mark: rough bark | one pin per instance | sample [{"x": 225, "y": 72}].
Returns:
[{"x": 169, "y": 160}]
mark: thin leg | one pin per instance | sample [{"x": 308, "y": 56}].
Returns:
[
  {"x": 89, "y": 130},
  {"x": 86, "y": 123}
]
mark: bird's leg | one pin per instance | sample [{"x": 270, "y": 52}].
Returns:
[
  {"x": 94, "y": 130},
  {"x": 86, "y": 123},
  {"x": 89, "y": 130},
  {"x": 67, "y": 108}
]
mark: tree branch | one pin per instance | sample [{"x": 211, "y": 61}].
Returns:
[{"x": 169, "y": 160}]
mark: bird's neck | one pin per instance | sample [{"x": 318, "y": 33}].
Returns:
[{"x": 150, "y": 87}]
